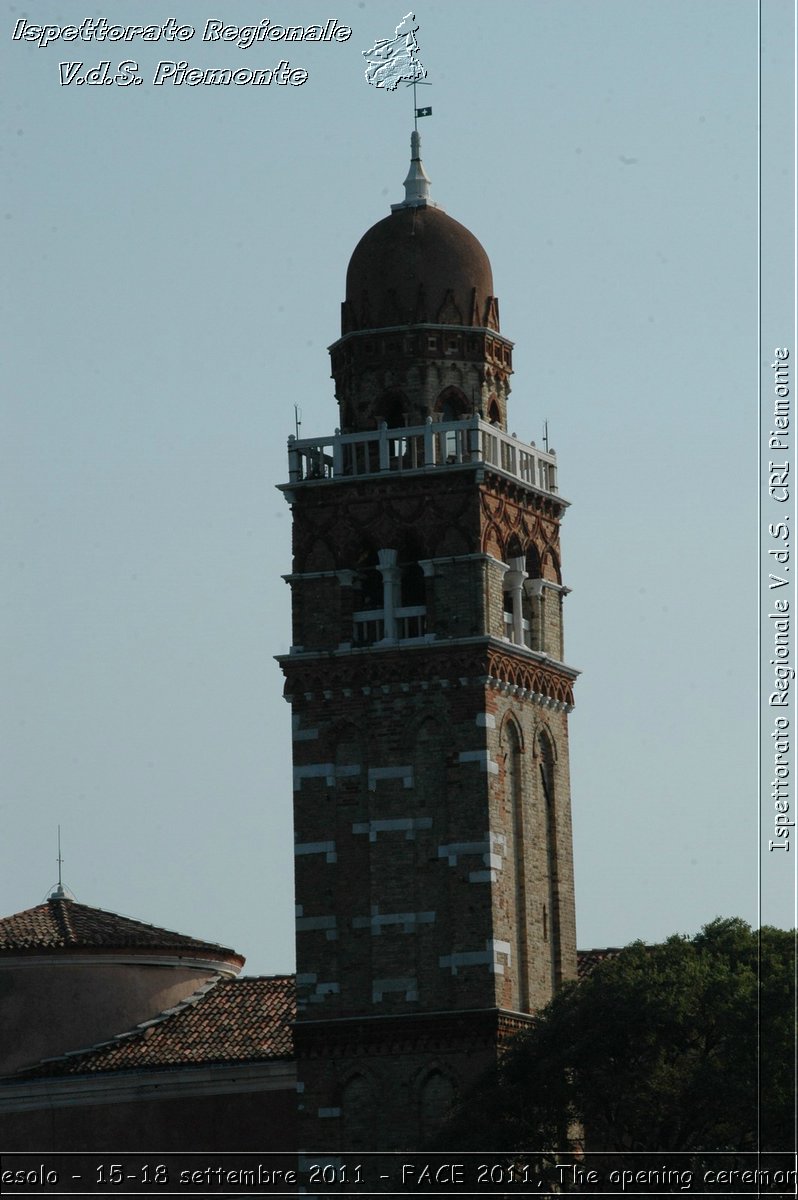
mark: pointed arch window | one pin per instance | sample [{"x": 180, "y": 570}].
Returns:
[
  {"x": 369, "y": 620},
  {"x": 546, "y": 760},
  {"x": 436, "y": 1099},
  {"x": 392, "y": 407},
  {"x": 507, "y": 611},
  {"x": 514, "y": 796},
  {"x": 523, "y": 597},
  {"x": 358, "y": 1108},
  {"x": 451, "y": 406},
  {"x": 429, "y": 758},
  {"x": 411, "y": 611}
]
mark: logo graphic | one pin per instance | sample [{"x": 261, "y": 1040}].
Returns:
[{"x": 392, "y": 61}]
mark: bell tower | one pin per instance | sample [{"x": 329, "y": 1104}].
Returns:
[{"x": 430, "y": 697}]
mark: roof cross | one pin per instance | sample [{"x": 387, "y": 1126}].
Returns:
[{"x": 59, "y": 892}]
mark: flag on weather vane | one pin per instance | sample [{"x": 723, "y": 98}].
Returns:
[{"x": 392, "y": 61}]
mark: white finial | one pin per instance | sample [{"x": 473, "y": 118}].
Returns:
[{"x": 417, "y": 181}]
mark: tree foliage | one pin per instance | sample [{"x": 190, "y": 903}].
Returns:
[{"x": 687, "y": 1046}]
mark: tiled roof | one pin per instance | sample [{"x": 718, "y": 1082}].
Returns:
[
  {"x": 588, "y": 960},
  {"x": 233, "y": 1020},
  {"x": 228, "y": 1021},
  {"x": 62, "y": 924}
]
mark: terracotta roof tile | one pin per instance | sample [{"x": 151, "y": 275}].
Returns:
[
  {"x": 588, "y": 960},
  {"x": 227, "y": 1021},
  {"x": 233, "y": 1020},
  {"x": 62, "y": 924}
]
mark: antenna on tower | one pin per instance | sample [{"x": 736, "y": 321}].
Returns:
[
  {"x": 297, "y": 420},
  {"x": 546, "y": 436}
]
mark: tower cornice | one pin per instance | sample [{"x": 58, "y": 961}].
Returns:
[
  {"x": 456, "y": 663},
  {"x": 420, "y": 327},
  {"x": 424, "y": 1032}
]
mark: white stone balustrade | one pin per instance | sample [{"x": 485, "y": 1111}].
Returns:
[{"x": 434, "y": 445}]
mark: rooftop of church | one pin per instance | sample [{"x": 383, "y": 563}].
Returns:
[
  {"x": 226, "y": 1021},
  {"x": 61, "y": 924}
]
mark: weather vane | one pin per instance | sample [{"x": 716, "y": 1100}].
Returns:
[{"x": 392, "y": 61}]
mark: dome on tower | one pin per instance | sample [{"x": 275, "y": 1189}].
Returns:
[
  {"x": 418, "y": 266},
  {"x": 420, "y": 335}
]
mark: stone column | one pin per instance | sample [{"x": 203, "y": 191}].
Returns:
[
  {"x": 534, "y": 589},
  {"x": 390, "y": 581},
  {"x": 514, "y": 583}
]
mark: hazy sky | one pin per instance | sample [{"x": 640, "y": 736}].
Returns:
[{"x": 177, "y": 259}]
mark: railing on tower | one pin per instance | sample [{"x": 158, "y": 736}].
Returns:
[{"x": 421, "y": 447}]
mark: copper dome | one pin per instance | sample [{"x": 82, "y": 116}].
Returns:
[{"x": 418, "y": 265}]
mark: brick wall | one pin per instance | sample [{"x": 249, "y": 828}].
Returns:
[{"x": 434, "y": 871}]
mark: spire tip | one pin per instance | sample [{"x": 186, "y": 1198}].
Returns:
[{"x": 417, "y": 183}]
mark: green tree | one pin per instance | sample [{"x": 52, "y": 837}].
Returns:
[{"x": 688, "y": 1046}]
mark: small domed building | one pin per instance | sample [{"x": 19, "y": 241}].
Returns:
[
  {"x": 72, "y": 976},
  {"x": 120, "y": 1034}
]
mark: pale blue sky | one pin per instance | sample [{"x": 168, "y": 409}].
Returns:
[{"x": 177, "y": 261}]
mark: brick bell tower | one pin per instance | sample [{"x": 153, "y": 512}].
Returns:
[{"x": 434, "y": 878}]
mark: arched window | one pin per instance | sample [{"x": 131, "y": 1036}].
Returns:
[
  {"x": 370, "y": 581},
  {"x": 430, "y": 764},
  {"x": 391, "y": 408},
  {"x": 546, "y": 768},
  {"x": 369, "y": 622},
  {"x": 451, "y": 405},
  {"x": 358, "y": 1112},
  {"x": 436, "y": 1099},
  {"x": 411, "y": 612},
  {"x": 552, "y": 567},
  {"x": 507, "y": 611},
  {"x": 533, "y": 561},
  {"x": 514, "y": 800},
  {"x": 413, "y": 590}
]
